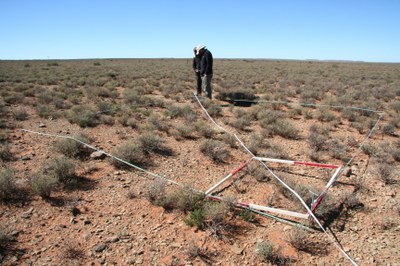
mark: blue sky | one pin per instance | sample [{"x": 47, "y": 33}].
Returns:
[{"x": 324, "y": 30}]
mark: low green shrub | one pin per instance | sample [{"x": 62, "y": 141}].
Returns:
[
  {"x": 369, "y": 149},
  {"x": 325, "y": 115},
  {"x": 20, "y": 114},
  {"x": 158, "y": 123},
  {"x": 195, "y": 219},
  {"x": 241, "y": 123},
  {"x": 268, "y": 117},
  {"x": 44, "y": 111},
  {"x": 258, "y": 172},
  {"x": 317, "y": 141},
  {"x": 285, "y": 129},
  {"x": 14, "y": 98},
  {"x": 175, "y": 111},
  {"x": 7, "y": 185},
  {"x": 255, "y": 143},
  {"x": 215, "y": 149},
  {"x": 267, "y": 252},
  {"x": 84, "y": 116},
  {"x": 70, "y": 147},
  {"x": 230, "y": 140},
  {"x": 299, "y": 240},
  {"x": 186, "y": 199},
  {"x": 185, "y": 131},
  {"x": 131, "y": 152},
  {"x": 338, "y": 150},
  {"x": 389, "y": 129},
  {"x": 385, "y": 172},
  {"x": 61, "y": 169},
  {"x": 214, "y": 110},
  {"x": 204, "y": 129},
  {"x": 5, "y": 152},
  {"x": 247, "y": 215},
  {"x": 107, "y": 120},
  {"x": 152, "y": 143},
  {"x": 43, "y": 185}
]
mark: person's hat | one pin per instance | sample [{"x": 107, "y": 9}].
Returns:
[{"x": 199, "y": 47}]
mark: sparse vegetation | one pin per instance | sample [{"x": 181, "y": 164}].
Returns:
[
  {"x": 61, "y": 169},
  {"x": 385, "y": 173},
  {"x": 5, "y": 152},
  {"x": 211, "y": 216},
  {"x": 5, "y": 238},
  {"x": 84, "y": 116},
  {"x": 301, "y": 240},
  {"x": 73, "y": 252},
  {"x": 7, "y": 185},
  {"x": 215, "y": 149},
  {"x": 152, "y": 143},
  {"x": 247, "y": 215},
  {"x": 20, "y": 114},
  {"x": 267, "y": 252},
  {"x": 43, "y": 185},
  {"x": 196, "y": 218},
  {"x": 131, "y": 152},
  {"x": 70, "y": 147},
  {"x": 134, "y": 108},
  {"x": 193, "y": 250}
]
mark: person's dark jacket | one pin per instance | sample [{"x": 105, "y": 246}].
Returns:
[
  {"x": 196, "y": 62},
  {"x": 206, "y": 63}
]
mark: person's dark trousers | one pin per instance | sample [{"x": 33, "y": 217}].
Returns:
[
  {"x": 198, "y": 76},
  {"x": 206, "y": 84}
]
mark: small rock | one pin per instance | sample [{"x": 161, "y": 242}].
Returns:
[
  {"x": 42, "y": 125},
  {"x": 26, "y": 157},
  {"x": 27, "y": 214},
  {"x": 156, "y": 227},
  {"x": 100, "y": 247},
  {"x": 15, "y": 233},
  {"x": 97, "y": 155},
  {"x": 140, "y": 252},
  {"x": 175, "y": 245},
  {"x": 86, "y": 222},
  {"x": 113, "y": 239},
  {"x": 391, "y": 193},
  {"x": 237, "y": 250}
]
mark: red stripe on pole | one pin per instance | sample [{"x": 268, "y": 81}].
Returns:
[
  {"x": 318, "y": 201},
  {"x": 240, "y": 167},
  {"x": 213, "y": 198},
  {"x": 243, "y": 204},
  {"x": 318, "y": 165}
]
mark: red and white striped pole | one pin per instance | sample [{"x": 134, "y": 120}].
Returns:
[
  {"x": 273, "y": 210},
  {"x": 227, "y": 177},
  {"x": 312, "y": 164},
  {"x": 328, "y": 185}
]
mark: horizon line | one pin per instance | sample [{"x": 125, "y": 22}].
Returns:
[{"x": 217, "y": 58}]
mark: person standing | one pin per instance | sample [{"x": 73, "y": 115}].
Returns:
[
  {"x": 196, "y": 69},
  {"x": 206, "y": 69}
]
